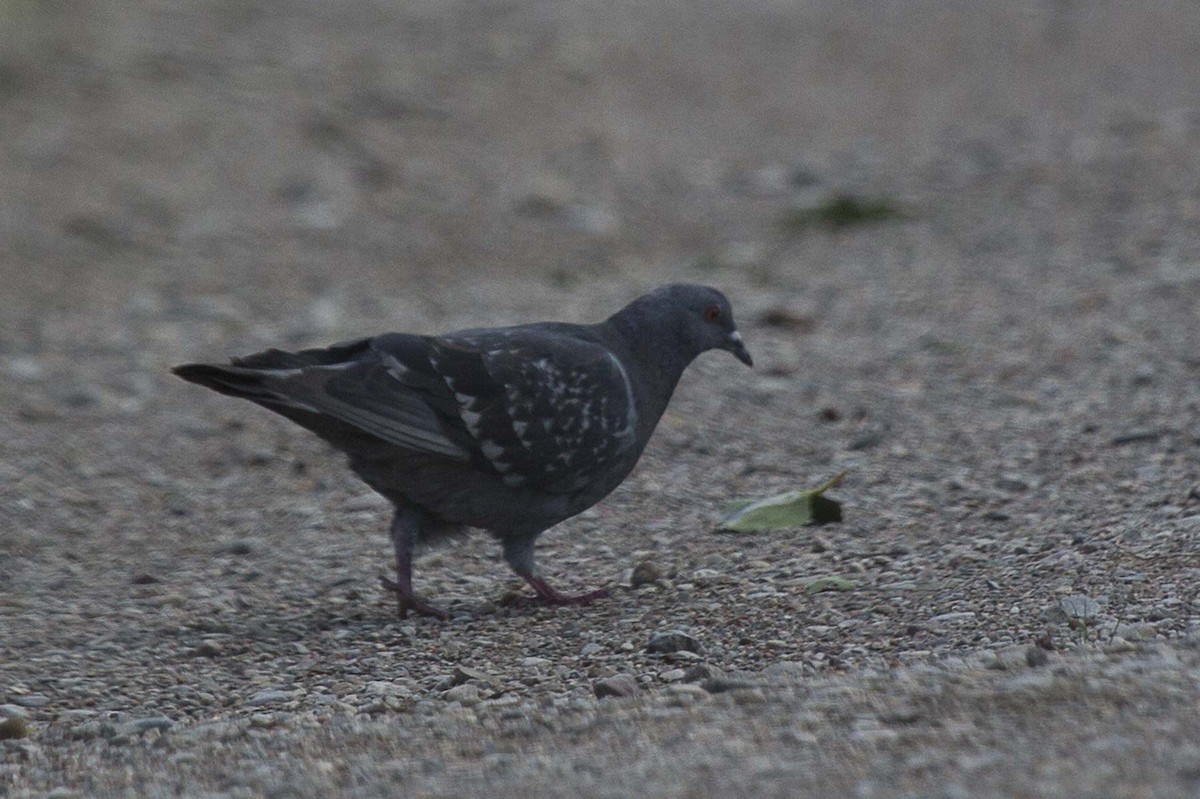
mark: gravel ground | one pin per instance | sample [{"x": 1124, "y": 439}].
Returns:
[{"x": 1007, "y": 369}]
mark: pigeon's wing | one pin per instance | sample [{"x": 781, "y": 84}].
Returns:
[
  {"x": 362, "y": 385},
  {"x": 540, "y": 408},
  {"x": 537, "y": 407}
]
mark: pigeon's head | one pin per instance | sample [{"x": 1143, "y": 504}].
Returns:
[{"x": 700, "y": 317}]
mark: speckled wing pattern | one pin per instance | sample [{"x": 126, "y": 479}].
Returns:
[{"x": 542, "y": 410}]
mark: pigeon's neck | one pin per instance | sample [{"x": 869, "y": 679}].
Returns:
[{"x": 655, "y": 360}]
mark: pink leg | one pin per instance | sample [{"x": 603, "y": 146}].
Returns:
[
  {"x": 518, "y": 551},
  {"x": 549, "y": 595},
  {"x": 404, "y": 538},
  {"x": 552, "y": 596}
]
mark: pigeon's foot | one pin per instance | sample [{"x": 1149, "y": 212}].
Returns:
[
  {"x": 549, "y": 595},
  {"x": 406, "y": 600}
]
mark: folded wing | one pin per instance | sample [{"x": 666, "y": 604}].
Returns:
[{"x": 542, "y": 411}]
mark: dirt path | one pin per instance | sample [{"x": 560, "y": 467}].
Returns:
[{"x": 1007, "y": 368}]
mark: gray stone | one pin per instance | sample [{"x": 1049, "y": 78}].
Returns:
[
  {"x": 466, "y": 695},
  {"x": 207, "y": 649},
  {"x": 673, "y": 641},
  {"x": 786, "y": 670},
  {"x": 13, "y": 712},
  {"x": 269, "y": 697},
  {"x": 953, "y": 618},
  {"x": 464, "y": 674},
  {"x": 620, "y": 685},
  {"x": 1119, "y": 645},
  {"x": 645, "y": 573},
  {"x": 32, "y": 700},
  {"x": 142, "y": 726}
]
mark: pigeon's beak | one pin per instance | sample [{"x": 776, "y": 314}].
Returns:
[{"x": 734, "y": 344}]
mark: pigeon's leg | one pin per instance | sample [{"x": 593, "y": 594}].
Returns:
[
  {"x": 519, "y": 554},
  {"x": 406, "y": 526}
]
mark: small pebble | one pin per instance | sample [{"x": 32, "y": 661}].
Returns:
[
  {"x": 786, "y": 670},
  {"x": 269, "y": 697},
  {"x": 673, "y": 641},
  {"x": 207, "y": 649},
  {"x": 1119, "y": 645},
  {"x": 466, "y": 695},
  {"x": 951, "y": 618},
  {"x": 141, "y": 726},
  {"x": 464, "y": 674},
  {"x": 13, "y": 712},
  {"x": 26, "y": 368},
  {"x": 645, "y": 573},
  {"x": 620, "y": 685}
]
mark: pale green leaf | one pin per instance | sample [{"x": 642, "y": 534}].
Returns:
[
  {"x": 789, "y": 509},
  {"x": 831, "y": 583}
]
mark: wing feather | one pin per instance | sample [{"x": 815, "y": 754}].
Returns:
[{"x": 541, "y": 409}]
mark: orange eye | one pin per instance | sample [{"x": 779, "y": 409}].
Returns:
[{"x": 712, "y": 313}]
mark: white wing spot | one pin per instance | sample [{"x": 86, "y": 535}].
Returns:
[
  {"x": 514, "y": 480},
  {"x": 395, "y": 368},
  {"x": 471, "y": 420},
  {"x": 491, "y": 450}
]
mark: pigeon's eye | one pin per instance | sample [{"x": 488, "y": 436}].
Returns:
[{"x": 712, "y": 313}]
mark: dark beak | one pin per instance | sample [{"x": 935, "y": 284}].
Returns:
[{"x": 734, "y": 344}]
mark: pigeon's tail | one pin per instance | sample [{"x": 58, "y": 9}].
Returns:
[
  {"x": 254, "y": 377},
  {"x": 344, "y": 394},
  {"x": 323, "y": 356},
  {"x": 236, "y": 381}
]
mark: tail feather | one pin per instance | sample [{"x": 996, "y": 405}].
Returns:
[
  {"x": 344, "y": 394},
  {"x": 235, "y": 381},
  {"x": 254, "y": 384},
  {"x": 248, "y": 377},
  {"x": 324, "y": 356}
]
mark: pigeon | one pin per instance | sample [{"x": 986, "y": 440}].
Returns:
[{"x": 508, "y": 429}]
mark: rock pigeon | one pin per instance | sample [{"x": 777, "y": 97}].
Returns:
[{"x": 509, "y": 429}]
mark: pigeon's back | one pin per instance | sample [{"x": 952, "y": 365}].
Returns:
[{"x": 481, "y": 427}]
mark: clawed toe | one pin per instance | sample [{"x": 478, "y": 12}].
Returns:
[
  {"x": 406, "y": 601},
  {"x": 548, "y": 595}
]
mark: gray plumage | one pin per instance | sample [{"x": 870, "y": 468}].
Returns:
[{"x": 511, "y": 430}]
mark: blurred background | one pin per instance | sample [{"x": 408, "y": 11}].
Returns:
[{"x": 248, "y": 160}]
